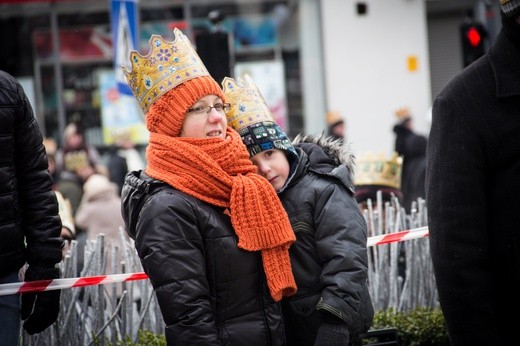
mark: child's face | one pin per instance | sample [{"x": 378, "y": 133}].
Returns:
[{"x": 274, "y": 166}]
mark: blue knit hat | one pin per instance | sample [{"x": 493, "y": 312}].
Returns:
[{"x": 265, "y": 135}]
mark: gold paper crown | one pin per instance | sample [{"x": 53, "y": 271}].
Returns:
[
  {"x": 167, "y": 65},
  {"x": 248, "y": 106},
  {"x": 377, "y": 169}
]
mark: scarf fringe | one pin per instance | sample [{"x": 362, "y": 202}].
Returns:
[{"x": 280, "y": 282}]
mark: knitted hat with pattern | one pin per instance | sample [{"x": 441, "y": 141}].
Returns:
[
  {"x": 511, "y": 8},
  {"x": 266, "y": 135},
  {"x": 166, "y": 115}
]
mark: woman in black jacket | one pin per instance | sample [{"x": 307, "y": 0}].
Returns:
[{"x": 210, "y": 232}]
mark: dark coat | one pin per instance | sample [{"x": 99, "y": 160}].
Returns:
[
  {"x": 412, "y": 147},
  {"x": 473, "y": 198},
  {"x": 210, "y": 292},
  {"x": 29, "y": 208},
  {"x": 329, "y": 258}
]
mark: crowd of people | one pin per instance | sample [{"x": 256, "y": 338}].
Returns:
[{"x": 249, "y": 237}]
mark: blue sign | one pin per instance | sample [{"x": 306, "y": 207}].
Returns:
[{"x": 125, "y": 37}]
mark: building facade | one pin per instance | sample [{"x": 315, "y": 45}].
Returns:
[{"x": 363, "y": 59}]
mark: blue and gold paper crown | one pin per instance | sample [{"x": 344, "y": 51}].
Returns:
[
  {"x": 167, "y": 65},
  {"x": 250, "y": 116},
  {"x": 248, "y": 106},
  {"x": 378, "y": 169}
]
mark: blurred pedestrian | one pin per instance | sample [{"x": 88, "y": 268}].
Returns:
[
  {"x": 75, "y": 162},
  {"x": 473, "y": 189},
  {"x": 335, "y": 125},
  {"x": 128, "y": 150},
  {"x": 50, "y": 150},
  {"x": 210, "y": 232},
  {"x": 313, "y": 180},
  {"x": 29, "y": 222},
  {"x": 411, "y": 146},
  {"x": 100, "y": 212},
  {"x": 122, "y": 158},
  {"x": 68, "y": 229},
  {"x": 100, "y": 209},
  {"x": 116, "y": 166}
]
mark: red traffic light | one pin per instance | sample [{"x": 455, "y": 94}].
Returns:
[{"x": 473, "y": 36}]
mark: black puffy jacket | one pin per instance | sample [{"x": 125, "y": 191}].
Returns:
[
  {"x": 210, "y": 292},
  {"x": 329, "y": 258},
  {"x": 28, "y": 207}
]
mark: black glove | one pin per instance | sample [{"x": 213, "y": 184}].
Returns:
[
  {"x": 332, "y": 332},
  {"x": 40, "y": 309}
]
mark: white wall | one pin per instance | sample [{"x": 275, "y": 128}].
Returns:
[{"x": 366, "y": 70}]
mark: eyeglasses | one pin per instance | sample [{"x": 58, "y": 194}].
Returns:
[{"x": 219, "y": 107}]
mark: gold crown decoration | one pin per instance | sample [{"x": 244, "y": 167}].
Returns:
[
  {"x": 378, "y": 169},
  {"x": 248, "y": 106},
  {"x": 166, "y": 65}
]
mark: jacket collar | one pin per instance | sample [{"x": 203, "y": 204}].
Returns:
[{"x": 504, "y": 57}]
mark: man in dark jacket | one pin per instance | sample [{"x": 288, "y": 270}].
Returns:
[
  {"x": 473, "y": 192},
  {"x": 412, "y": 147},
  {"x": 29, "y": 222}
]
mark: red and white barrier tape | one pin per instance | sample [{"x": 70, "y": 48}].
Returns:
[
  {"x": 398, "y": 236},
  {"x": 58, "y": 284}
]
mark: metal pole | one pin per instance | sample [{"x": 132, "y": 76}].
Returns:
[
  {"x": 186, "y": 7},
  {"x": 58, "y": 77},
  {"x": 39, "y": 109}
]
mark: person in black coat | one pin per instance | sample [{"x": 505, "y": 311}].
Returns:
[
  {"x": 30, "y": 225},
  {"x": 335, "y": 125},
  {"x": 412, "y": 147},
  {"x": 473, "y": 193}
]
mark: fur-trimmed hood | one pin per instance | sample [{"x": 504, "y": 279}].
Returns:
[
  {"x": 338, "y": 151},
  {"x": 325, "y": 156}
]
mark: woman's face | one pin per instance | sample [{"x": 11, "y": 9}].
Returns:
[{"x": 204, "y": 122}]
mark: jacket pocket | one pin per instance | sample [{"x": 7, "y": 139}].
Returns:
[{"x": 304, "y": 306}]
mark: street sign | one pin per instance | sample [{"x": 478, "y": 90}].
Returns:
[{"x": 124, "y": 22}]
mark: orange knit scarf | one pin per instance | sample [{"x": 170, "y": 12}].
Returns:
[{"x": 219, "y": 172}]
